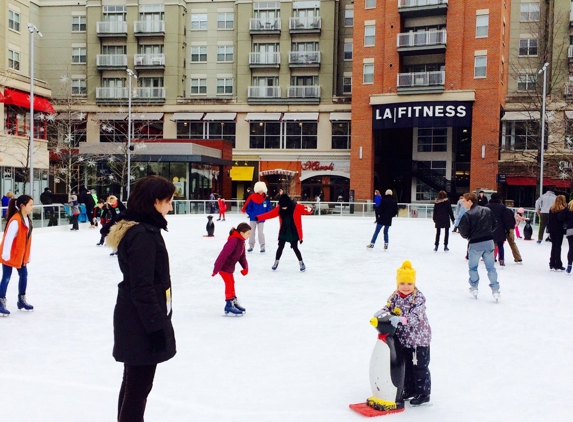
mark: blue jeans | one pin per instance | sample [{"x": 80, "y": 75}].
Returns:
[
  {"x": 482, "y": 250},
  {"x": 378, "y": 228},
  {"x": 7, "y": 273}
]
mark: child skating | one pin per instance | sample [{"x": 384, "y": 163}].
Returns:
[
  {"x": 222, "y": 208},
  {"x": 233, "y": 252},
  {"x": 518, "y": 219}
]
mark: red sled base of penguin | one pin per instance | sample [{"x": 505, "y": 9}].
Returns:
[{"x": 365, "y": 410}]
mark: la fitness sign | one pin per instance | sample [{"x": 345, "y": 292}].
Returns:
[
  {"x": 316, "y": 166},
  {"x": 422, "y": 114}
]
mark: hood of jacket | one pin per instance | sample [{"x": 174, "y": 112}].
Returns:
[
  {"x": 257, "y": 198},
  {"x": 237, "y": 235},
  {"x": 117, "y": 231}
]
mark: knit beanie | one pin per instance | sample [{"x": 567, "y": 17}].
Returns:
[
  {"x": 521, "y": 211},
  {"x": 284, "y": 200},
  {"x": 260, "y": 187},
  {"x": 406, "y": 274}
]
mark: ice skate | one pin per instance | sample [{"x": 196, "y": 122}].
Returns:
[
  {"x": 302, "y": 266},
  {"x": 446, "y": 249},
  {"x": 420, "y": 399},
  {"x": 568, "y": 269},
  {"x": 262, "y": 250},
  {"x": 496, "y": 295},
  {"x": 250, "y": 249},
  {"x": 237, "y": 305},
  {"x": 3, "y": 311},
  {"x": 385, "y": 245},
  {"x": 474, "y": 292},
  {"x": 436, "y": 248},
  {"x": 23, "y": 305},
  {"x": 275, "y": 265},
  {"x": 230, "y": 309},
  {"x": 370, "y": 245}
]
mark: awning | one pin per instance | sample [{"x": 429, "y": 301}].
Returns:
[
  {"x": 110, "y": 116},
  {"x": 300, "y": 116},
  {"x": 532, "y": 181},
  {"x": 263, "y": 117},
  {"x": 244, "y": 173},
  {"x": 136, "y": 117},
  {"x": 220, "y": 116},
  {"x": 22, "y": 99},
  {"x": 340, "y": 116},
  {"x": 521, "y": 115},
  {"x": 186, "y": 116},
  {"x": 278, "y": 171}
]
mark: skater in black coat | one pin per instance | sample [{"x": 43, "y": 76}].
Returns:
[
  {"x": 385, "y": 212},
  {"x": 443, "y": 214},
  {"x": 501, "y": 230},
  {"x": 143, "y": 333}
]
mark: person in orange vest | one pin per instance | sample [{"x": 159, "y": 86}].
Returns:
[{"x": 15, "y": 249}]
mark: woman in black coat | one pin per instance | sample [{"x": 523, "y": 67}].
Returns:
[
  {"x": 502, "y": 228},
  {"x": 566, "y": 216},
  {"x": 143, "y": 333},
  {"x": 443, "y": 214},
  {"x": 385, "y": 212},
  {"x": 556, "y": 232}
]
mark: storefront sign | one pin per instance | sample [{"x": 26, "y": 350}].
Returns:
[
  {"x": 422, "y": 114},
  {"x": 316, "y": 166}
]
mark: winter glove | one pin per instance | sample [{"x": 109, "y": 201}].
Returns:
[
  {"x": 395, "y": 320},
  {"x": 214, "y": 274},
  {"x": 245, "y": 271},
  {"x": 158, "y": 342}
]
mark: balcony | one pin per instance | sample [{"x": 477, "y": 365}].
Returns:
[
  {"x": 571, "y": 18},
  {"x": 568, "y": 91},
  {"x": 264, "y": 59},
  {"x": 426, "y": 42},
  {"x": 421, "y": 82},
  {"x": 414, "y": 8},
  {"x": 111, "y": 61},
  {"x": 570, "y": 53},
  {"x": 149, "y": 61},
  {"x": 149, "y": 28},
  {"x": 111, "y": 95},
  {"x": 264, "y": 26},
  {"x": 299, "y": 91},
  {"x": 111, "y": 29},
  {"x": 305, "y": 25},
  {"x": 151, "y": 95},
  {"x": 264, "y": 92},
  {"x": 304, "y": 59}
]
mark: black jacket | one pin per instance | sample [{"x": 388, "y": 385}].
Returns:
[
  {"x": 87, "y": 199},
  {"x": 482, "y": 201},
  {"x": 387, "y": 209},
  {"x": 47, "y": 198},
  {"x": 443, "y": 214},
  {"x": 143, "y": 333},
  {"x": 501, "y": 229},
  {"x": 555, "y": 223},
  {"x": 477, "y": 224},
  {"x": 566, "y": 217}
]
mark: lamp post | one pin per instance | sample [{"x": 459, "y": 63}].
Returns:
[
  {"x": 544, "y": 70},
  {"x": 131, "y": 75},
  {"x": 32, "y": 28}
]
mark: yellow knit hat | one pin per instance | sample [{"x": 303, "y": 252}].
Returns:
[{"x": 406, "y": 274}]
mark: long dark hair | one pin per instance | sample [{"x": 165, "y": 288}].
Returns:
[
  {"x": 142, "y": 198},
  {"x": 16, "y": 204}
]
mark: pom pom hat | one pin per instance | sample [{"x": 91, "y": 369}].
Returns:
[
  {"x": 260, "y": 187},
  {"x": 406, "y": 274}
]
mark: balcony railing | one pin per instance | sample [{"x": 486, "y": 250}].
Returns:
[
  {"x": 570, "y": 52},
  {"x": 304, "y": 57},
  {"x": 149, "y": 60},
  {"x": 421, "y": 39},
  {"x": 304, "y": 91},
  {"x": 149, "y": 27},
  {"x": 307, "y": 23},
  {"x": 264, "y": 25},
  {"x": 111, "y": 28},
  {"x": 420, "y": 3},
  {"x": 264, "y": 58},
  {"x": 111, "y": 93},
  {"x": 150, "y": 93},
  {"x": 421, "y": 79},
  {"x": 112, "y": 60},
  {"x": 264, "y": 92},
  {"x": 568, "y": 90}
]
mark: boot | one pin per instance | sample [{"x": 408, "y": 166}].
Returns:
[
  {"x": 436, "y": 248},
  {"x": 23, "y": 305},
  {"x": 3, "y": 311},
  {"x": 302, "y": 266},
  {"x": 275, "y": 265},
  {"x": 446, "y": 248},
  {"x": 237, "y": 305},
  {"x": 230, "y": 309}
]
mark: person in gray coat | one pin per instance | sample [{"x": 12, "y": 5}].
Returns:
[{"x": 542, "y": 207}]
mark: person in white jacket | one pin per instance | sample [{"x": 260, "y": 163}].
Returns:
[{"x": 542, "y": 207}]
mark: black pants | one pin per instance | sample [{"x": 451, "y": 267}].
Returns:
[
  {"x": 446, "y": 236},
  {"x": 570, "y": 252},
  {"x": 417, "y": 379},
  {"x": 74, "y": 221},
  {"x": 135, "y": 387},
  {"x": 556, "y": 242},
  {"x": 293, "y": 245}
]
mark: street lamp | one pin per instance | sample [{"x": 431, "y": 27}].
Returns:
[
  {"x": 544, "y": 70},
  {"x": 131, "y": 75},
  {"x": 32, "y": 28}
]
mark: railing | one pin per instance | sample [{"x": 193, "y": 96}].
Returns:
[
  {"x": 149, "y": 27},
  {"x": 304, "y": 57},
  {"x": 305, "y": 23},
  {"x": 157, "y": 59},
  {"x": 426, "y": 174},
  {"x": 570, "y": 51},
  {"x": 45, "y": 215},
  {"x": 568, "y": 90},
  {"x": 264, "y": 92},
  {"x": 421, "y": 39},
  {"x": 421, "y": 79},
  {"x": 111, "y": 93},
  {"x": 112, "y": 27},
  {"x": 257, "y": 24},
  {"x": 273, "y": 58},
  {"x": 304, "y": 91},
  {"x": 420, "y": 3},
  {"x": 150, "y": 93},
  {"x": 112, "y": 60}
]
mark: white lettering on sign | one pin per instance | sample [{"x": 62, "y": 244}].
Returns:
[{"x": 421, "y": 111}]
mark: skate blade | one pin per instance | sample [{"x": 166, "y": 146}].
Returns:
[
  {"x": 423, "y": 404},
  {"x": 26, "y": 310},
  {"x": 232, "y": 315},
  {"x": 4, "y": 315}
]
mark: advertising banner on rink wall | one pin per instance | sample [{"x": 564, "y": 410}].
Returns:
[{"x": 422, "y": 114}]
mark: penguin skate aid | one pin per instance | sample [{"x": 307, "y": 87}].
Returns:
[{"x": 399, "y": 362}]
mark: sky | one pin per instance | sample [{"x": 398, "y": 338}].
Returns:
[{"x": 302, "y": 351}]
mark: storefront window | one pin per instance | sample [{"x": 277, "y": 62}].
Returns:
[
  {"x": 432, "y": 139},
  {"x": 265, "y": 135},
  {"x": 222, "y": 130},
  {"x": 17, "y": 122},
  {"x": 149, "y": 129},
  {"x": 189, "y": 129},
  {"x": 113, "y": 131},
  {"x": 340, "y": 135},
  {"x": 301, "y": 135}
]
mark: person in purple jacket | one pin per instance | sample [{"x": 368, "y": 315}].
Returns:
[
  {"x": 408, "y": 304},
  {"x": 233, "y": 252}
]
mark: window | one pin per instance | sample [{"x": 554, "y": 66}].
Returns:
[
  {"x": 527, "y": 82},
  {"x": 480, "y": 66},
  {"x": 348, "y": 51},
  {"x": 369, "y": 35},
  {"x": 114, "y": 13},
  {"x": 199, "y": 21},
  {"x": 268, "y": 13},
  {"x": 482, "y": 24},
  {"x": 199, "y": 53},
  {"x": 368, "y": 73},
  {"x": 224, "y": 86},
  {"x": 113, "y": 49},
  {"x": 14, "y": 20},
  {"x": 265, "y": 135},
  {"x": 189, "y": 129},
  {"x": 198, "y": 86},
  {"x": 301, "y": 135},
  {"x": 347, "y": 85},
  {"x": 528, "y": 47},
  {"x": 340, "y": 135},
  {"x": 225, "y": 53},
  {"x": 79, "y": 55},
  {"x": 433, "y": 139},
  {"x": 370, "y": 4},
  {"x": 522, "y": 135},
  {"x": 349, "y": 17},
  {"x": 113, "y": 131},
  {"x": 221, "y": 130},
  {"x": 79, "y": 87},
  {"x": 13, "y": 60},
  {"x": 225, "y": 20},
  {"x": 529, "y": 12},
  {"x": 78, "y": 23}
]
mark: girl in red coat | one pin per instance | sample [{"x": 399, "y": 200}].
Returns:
[
  {"x": 289, "y": 214},
  {"x": 233, "y": 252}
]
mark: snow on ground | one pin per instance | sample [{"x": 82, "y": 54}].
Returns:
[{"x": 302, "y": 351}]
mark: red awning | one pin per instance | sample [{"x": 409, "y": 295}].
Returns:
[
  {"x": 532, "y": 181},
  {"x": 22, "y": 99}
]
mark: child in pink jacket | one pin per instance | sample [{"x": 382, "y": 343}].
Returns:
[{"x": 518, "y": 219}]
